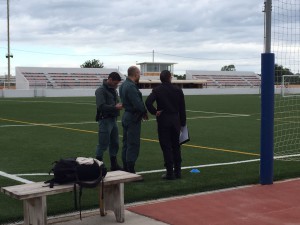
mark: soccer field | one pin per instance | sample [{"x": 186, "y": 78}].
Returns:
[{"x": 224, "y": 146}]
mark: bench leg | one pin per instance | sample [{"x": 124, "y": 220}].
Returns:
[
  {"x": 114, "y": 200},
  {"x": 101, "y": 202},
  {"x": 35, "y": 211}
]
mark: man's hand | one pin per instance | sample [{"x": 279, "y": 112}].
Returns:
[
  {"x": 119, "y": 106},
  {"x": 145, "y": 116},
  {"x": 158, "y": 113}
]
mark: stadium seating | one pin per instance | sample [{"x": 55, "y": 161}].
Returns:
[
  {"x": 64, "y": 80},
  {"x": 62, "y": 77},
  {"x": 224, "y": 79},
  {"x": 92, "y": 78}
]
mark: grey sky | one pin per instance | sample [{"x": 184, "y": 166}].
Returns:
[{"x": 196, "y": 34}]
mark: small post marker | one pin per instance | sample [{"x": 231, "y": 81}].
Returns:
[{"x": 195, "y": 171}]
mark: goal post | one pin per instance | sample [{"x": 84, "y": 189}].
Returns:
[
  {"x": 267, "y": 102},
  {"x": 267, "y": 118}
]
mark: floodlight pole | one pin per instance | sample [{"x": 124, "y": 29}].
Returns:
[
  {"x": 8, "y": 56},
  {"x": 268, "y": 25},
  {"x": 153, "y": 56},
  {"x": 267, "y": 103}
]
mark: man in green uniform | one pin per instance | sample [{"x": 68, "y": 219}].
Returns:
[
  {"x": 108, "y": 109},
  {"x": 135, "y": 111}
]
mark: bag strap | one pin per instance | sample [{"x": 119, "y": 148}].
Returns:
[
  {"x": 50, "y": 182},
  {"x": 75, "y": 196},
  {"x": 80, "y": 194},
  {"x": 91, "y": 184}
]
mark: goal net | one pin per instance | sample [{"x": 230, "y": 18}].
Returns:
[
  {"x": 286, "y": 47},
  {"x": 290, "y": 86}
]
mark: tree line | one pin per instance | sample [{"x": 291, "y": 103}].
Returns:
[{"x": 280, "y": 70}]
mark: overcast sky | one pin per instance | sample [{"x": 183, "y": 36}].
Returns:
[{"x": 196, "y": 34}]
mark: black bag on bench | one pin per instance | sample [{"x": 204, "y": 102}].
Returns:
[{"x": 84, "y": 172}]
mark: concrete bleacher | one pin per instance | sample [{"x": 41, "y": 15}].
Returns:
[
  {"x": 49, "y": 77},
  {"x": 225, "y": 78},
  {"x": 91, "y": 78}
]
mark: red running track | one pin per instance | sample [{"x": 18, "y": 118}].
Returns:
[{"x": 276, "y": 204}]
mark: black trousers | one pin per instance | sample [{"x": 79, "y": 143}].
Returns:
[{"x": 168, "y": 135}]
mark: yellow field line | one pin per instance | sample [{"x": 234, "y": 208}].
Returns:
[
  {"x": 209, "y": 148},
  {"x": 222, "y": 150},
  {"x": 143, "y": 139},
  {"x": 47, "y": 125}
]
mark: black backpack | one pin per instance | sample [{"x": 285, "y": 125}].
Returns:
[{"x": 84, "y": 172}]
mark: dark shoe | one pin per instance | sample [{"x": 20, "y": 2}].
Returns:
[
  {"x": 177, "y": 175},
  {"x": 115, "y": 168},
  {"x": 99, "y": 158},
  {"x": 125, "y": 168},
  {"x": 114, "y": 164},
  {"x": 130, "y": 167},
  {"x": 177, "y": 170},
  {"x": 168, "y": 177}
]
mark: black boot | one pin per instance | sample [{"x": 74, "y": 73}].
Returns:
[
  {"x": 99, "y": 158},
  {"x": 177, "y": 171},
  {"x": 114, "y": 164},
  {"x": 125, "y": 168},
  {"x": 169, "y": 175},
  {"x": 130, "y": 167}
]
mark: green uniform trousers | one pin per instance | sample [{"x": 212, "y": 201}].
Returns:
[
  {"x": 131, "y": 138},
  {"x": 108, "y": 137}
]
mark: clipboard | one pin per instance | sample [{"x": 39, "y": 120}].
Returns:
[{"x": 184, "y": 135}]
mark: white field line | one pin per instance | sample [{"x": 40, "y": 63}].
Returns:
[
  {"x": 154, "y": 171},
  {"x": 119, "y": 121},
  {"x": 162, "y": 170},
  {"x": 90, "y": 103},
  {"x": 54, "y": 102},
  {"x": 32, "y": 174},
  {"x": 15, "y": 177},
  {"x": 232, "y": 114},
  {"x": 47, "y": 124},
  {"x": 286, "y": 156},
  {"x": 201, "y": 166},
  {"x": 212, "y": 117}
]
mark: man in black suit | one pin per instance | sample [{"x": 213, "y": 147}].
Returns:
[{"x": 170, "y": 116}]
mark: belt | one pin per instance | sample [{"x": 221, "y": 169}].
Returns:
[
  {"x": 106, "y": 117},
  {"x": 131, "y": 111}
]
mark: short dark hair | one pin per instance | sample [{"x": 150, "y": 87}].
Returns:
[
  {"x": 114, "y": 76},
  {"x": 165, "y": 76}
]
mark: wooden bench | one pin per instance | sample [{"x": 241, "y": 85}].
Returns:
[{"x": 35, "y": 204}]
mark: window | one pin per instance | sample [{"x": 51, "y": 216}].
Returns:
[{"x": 153, "y": 68}]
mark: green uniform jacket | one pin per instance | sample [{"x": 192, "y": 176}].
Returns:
[
  {"x": 131, "y": 97},
  {"x": 106, "y": 100}
]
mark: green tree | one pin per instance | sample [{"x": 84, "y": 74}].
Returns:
[
  {"x": 180, "y": 77},
  {"x": 230, "y": 67},
  {"x": 95, "y": 63},
  {"x": 279, "y": 72}
]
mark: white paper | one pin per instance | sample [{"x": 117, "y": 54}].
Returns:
[{"x": 184, "y": 135}]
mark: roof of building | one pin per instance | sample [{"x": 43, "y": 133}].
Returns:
[
  {"x": 164, "y": 63},
  {"x": 220, "y": 73},
  {"x": 174, "y": 81},
  {"x": 62, "y": 70}
]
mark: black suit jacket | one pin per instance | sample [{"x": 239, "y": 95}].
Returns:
[{"x": 169, "y": 100}]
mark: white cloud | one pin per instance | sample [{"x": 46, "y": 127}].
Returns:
[{"x": 121, "y": 32}]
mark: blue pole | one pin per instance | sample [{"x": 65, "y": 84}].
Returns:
[{"x": 267, "y": 118}]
